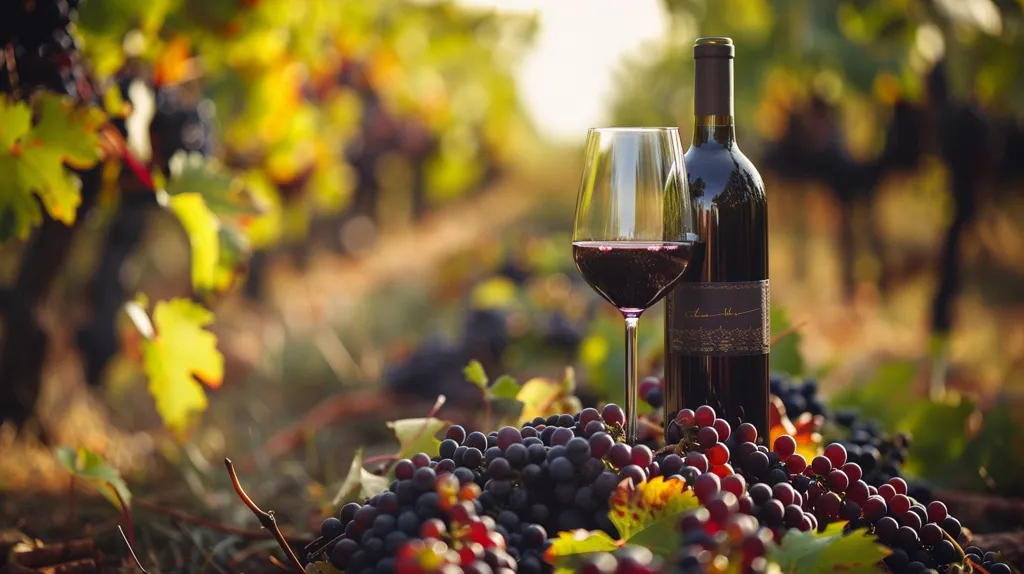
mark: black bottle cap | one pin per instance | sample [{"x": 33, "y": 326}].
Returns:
[{"x": 714, "y": 47}]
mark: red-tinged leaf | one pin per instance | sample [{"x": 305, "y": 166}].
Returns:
[
  {"x": 829, "y": 551},
  {"x": 637, "y": 508}
]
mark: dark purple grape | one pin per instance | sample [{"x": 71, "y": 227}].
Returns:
[
  {"x": 707, "y": 437},
  {"x": 613, "y": 415},
  {"x": 706, "y": 486},
  {"x": 600, "y": 444},
  {"x": 620, "y": 455},
  {"x": 457, "y": 433}
]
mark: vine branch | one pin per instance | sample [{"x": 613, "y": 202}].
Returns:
[{"x": 266, "y": 519}]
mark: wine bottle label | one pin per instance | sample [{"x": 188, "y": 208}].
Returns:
[{"x": 720, "y": 318}]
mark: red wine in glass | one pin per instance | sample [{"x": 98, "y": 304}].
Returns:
[{"x": 632, "y": 275}]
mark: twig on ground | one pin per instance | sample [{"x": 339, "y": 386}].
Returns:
[
  {"x": 131, "y": 550},
  {"x": 265, "y": 518}
]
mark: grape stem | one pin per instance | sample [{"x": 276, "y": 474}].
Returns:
[{"x": 266, "y": 519}]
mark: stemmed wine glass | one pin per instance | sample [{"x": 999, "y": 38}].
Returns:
[{"x": 633, "y": 234}]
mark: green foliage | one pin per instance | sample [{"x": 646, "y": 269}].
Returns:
[
  {"x": 785, "y": 354},
  {"x": 829, "y": 551},
  {"x": 89, "y": 467},
  {"x": 33, "y": 160}
]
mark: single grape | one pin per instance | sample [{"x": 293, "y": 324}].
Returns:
[
  {"x": 796, "y": 464},
  {"x": 910, "y": 519},
  {"x": 685, "y": 418},
  {"x": 331, "y": 528},
  {"x": 951, "y": 526},
  {"x": 887, "y": 492},
  {"x": 672, "y": 464},
  {"x": 508, "y": 436},
  {"x": 404, "y": 469},
  {"x": 613, "y": 415},
  {"x": 577, "y": 450},
  {"x": 772, "y": 512},
  {"x": 784, "y": 493},
  {"x": 477, "y": 440},
  {"x": 898, "y": 484},
  {"x": 561, "y": 436},
  {"x": 828, "y": 504},
  {"x": 589, "y": 415},
  {"x": 600, "y": 444},
  {"x": 420, "y": 460},
  {"x": 886, "y": 528},
  {"x": 874, "y": 508},
  {"x": 704, "y": 416},
  {"x": 697, "y": 461},
  {"x": 723, "y": 428},
  {"x": 836, "y": 454},
  {"x": 706, "y": 486},
  {"x": 821, "y": 465},
  {"x": 746, "y": 432},
  {"x": 457, "y": 433},
  {"x": 620, "y": 455},
  {"x": 757, "y": 463},
  {"x": 906, "y": 538},
  {"x": 734, "y": 483},
  {"x": 760, "y": 493},
  {"x": 642, "y": 456},
  {"x": 853, "y": 471},
  {"x": 838, "y": 481},
  {"x": 594, "y": 427},
  {"x": 937, "y": 511},
  {"x": 858, "y": 492},
  {"x": 785, "y": 446},
  {"x": 707, "y": 437},
  {"x": 634, "y": 472}
]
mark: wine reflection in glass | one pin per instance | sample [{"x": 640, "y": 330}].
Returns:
[{"x": 633, "y": 234}]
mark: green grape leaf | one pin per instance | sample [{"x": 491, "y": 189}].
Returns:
[
  {"x": 941, "y": 435},
  {"x": 475, "y": 374},
  {"x": 71, "y": 132},
  {"x": 504, "y": 387},
  {"x": 644, "y": 515},
  {"x": 224, "y": 194},
  {"x": 89, "y": 467},
  {"x": 829, "y": 551},
  {"x": 570, "y": 546},
  {"x": 360, "y": 483},
  {"x": 785, "y": 354},
  {"x": 418, "y": 435},
  {"x": 887, "y": 396},
  {"x": 15, "y": 122},
  {"x": 33, "y": 158},
  {"x": 19, "y": 212},
  {"x": 202, "y": 228},
  {"x": 181, "y": 353}
]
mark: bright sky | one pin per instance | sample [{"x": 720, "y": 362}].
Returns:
[{"x": 566, "y": 81}]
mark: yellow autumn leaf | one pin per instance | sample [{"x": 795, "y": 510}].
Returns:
[
  {"x": 181, "y": 353},
  {"x": 202, "y": 228}
]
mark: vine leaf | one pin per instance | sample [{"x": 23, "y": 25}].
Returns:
[
  {"x": 418, "y": 435},
  {"x": 202, "y": 228},
  {"x": 504, "y": 387},
  {"x": 644, "y": 514},
  {"x": 177, "y": 351},
  {"x": 223, "y": 193},
  {"x": 475, "y": 374},
  {"x": 542, "y": 396},
  {"x": 89, "y": 467},
  {"x": 33, "y": 158},
  {"x": 569, "y": 546},
  {"x": 856, "y": 552},
  {"x": 786, "y": 356},
  {"x": 360, "y": 483}
]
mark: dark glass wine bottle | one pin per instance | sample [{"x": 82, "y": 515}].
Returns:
[{"x": 717, "y": 334}]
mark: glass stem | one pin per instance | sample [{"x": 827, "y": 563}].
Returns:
[{"x": 631, "y": 376}]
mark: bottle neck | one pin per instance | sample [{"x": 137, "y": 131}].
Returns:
[{"x": 713, "y": 101}]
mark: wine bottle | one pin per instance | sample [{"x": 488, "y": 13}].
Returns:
[{"x": 717, "y": 334}]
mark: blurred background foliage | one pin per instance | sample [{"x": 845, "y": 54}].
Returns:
[{"x": 386, "y": 210}]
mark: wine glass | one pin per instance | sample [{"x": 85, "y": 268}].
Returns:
[{"x": 633, "y": 234}]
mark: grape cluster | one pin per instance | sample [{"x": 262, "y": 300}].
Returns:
[
  {"x": 45, "y": 52},
  {"x": 721, "y": 538},
  {"x": 798, "y": 397},
  {"x": 424, "y": 513}
]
